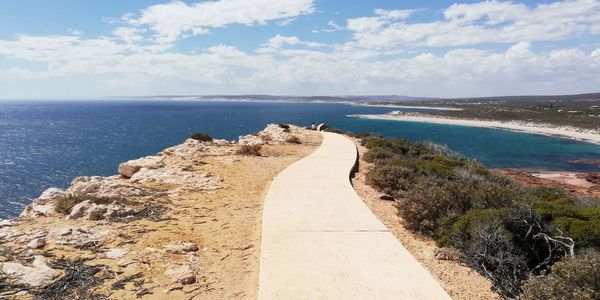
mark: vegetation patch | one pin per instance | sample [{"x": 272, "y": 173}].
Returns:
[
  {"x": 285, "y": 127},
  {"x": 569, "y": 279},
  {"x": 250, "y": 150},
  {"x": 506, "y": 231},
  {"x": 294, "y": 140},
  {"x": 203, "y": 137},
  {"x": 78, "y": 282}
]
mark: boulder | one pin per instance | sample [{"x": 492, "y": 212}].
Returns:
[
  {"x": 79, "y": 210},
  {"x": 38, "y": 275},
  {"x": 37, "y": 243},
  {"x": 127, "y": 169},
  {"x": 96, "y": 212},
  {"x": 116, "y": 253},
  {"x": 180, "y": 274}
]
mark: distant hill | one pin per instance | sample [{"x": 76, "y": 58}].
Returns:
[{"x": 381, "y": 98}]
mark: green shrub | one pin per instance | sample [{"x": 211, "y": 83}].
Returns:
[
  {"x": 250, "y": 150},
  {"x": 376, "y": 155},
  {"x": 203, "y": 137},
  {"x": 506, "y": 231},
  {"x": 581, "y": 224},
  {"x": 294, "y": 140},
  {"x": 389, "y": 179},
  {"x": 570, "y": 279},
  {"x": 332, "y": 129},
  {"x": 284, "y": 126}
]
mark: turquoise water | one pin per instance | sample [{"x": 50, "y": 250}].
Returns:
[{"x": 48, "y": 143}]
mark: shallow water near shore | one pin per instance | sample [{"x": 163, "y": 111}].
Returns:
[{"x": 48, "y": 143}]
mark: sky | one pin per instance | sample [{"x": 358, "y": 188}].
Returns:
[{"x": 72, "y": 49}]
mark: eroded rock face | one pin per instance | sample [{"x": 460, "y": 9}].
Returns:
[
  {"x": 38, "y": 275},
  {"x": 104, "y": 187},
  {"x": 186, "y": 179},
  {"x": 191, "y": 147},
  {"x": 127, "y": 169},
  {"x": 43, "y": 205}
]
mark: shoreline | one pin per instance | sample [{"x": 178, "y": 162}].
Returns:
[{"x": 565, "y": 132}]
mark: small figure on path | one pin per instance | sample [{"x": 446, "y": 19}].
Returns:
[{"x": 313, "y": 126}]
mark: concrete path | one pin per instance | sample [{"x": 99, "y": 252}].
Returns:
[{"x": 320, "y": 241}]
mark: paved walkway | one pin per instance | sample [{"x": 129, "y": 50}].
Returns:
[{"x": 320, "y": 241}]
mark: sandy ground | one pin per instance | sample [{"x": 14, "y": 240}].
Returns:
[
  {"x": 543, "y": 129},
  {"x": 582, "y": 184},
  {"x": 459, "y": 281},
  {"x": 225, "y": 224}
]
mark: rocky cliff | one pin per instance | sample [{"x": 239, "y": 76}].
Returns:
[{"x": 183, "y": 222}]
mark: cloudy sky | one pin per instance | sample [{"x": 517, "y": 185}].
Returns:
[{"x": 87, "y": 49}]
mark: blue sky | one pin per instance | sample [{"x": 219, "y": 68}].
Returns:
[{"x": 89, "y": 49}]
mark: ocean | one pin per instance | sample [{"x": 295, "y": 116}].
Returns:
[{"x": 47, "y": 143}]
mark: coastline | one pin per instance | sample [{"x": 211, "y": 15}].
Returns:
[
  {"x": 565, "y": 132},
  {"x": 408, "y": 106}
]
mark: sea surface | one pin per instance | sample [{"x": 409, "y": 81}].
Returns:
[{"x": 47, "y": 143}]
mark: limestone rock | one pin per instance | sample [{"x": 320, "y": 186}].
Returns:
[
  {"x": 5, "y": 223},
  {"x": 65, "y": 231},
  {"x": 181, "y": 248},
  {"x": 127, "y": 169},
  {"x": 185, "y": 179},
  {"x": 37, "y": 243},
  {"x": 272, "y": 134},
  {"x": 43, "y": 205},
  {"x": 96, "y": 212},
  {"x": 39, "y": 274},
  {"x": 116, "y": 253},
  {"x": 79, "y": 210},
  {"x": 104, "y": 187},
  {"x": 181, "y": 274}
]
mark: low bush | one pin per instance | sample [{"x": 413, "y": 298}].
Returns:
[
  {"x": 504, "y": 230},
  {"x": 332, "y": 129},
  {"x": 285, "y": 127},
  {"x": 250, "y": 150},
  {"x": 390, "y": 179},
  {"x": 293, "y": 140},
  {"x": 203, "y": 137},
  {"x": 577, "y": 278}
]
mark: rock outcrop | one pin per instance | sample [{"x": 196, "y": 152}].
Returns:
[
  {"x": 37, "y": 275},
  {"x": 272, "y": 134}
]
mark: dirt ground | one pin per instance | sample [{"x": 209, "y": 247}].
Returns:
[
  {"x": 459, "y": 281},
  {"x": 225, "y": 225}
]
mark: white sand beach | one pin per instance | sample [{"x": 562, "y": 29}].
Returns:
[{"x": 528, "y": 127}]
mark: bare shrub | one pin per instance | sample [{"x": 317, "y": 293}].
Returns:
[
  {"x": 250, "y": 150},
  {"x": 293, "y": 140},
  {"x": 203, "y": 137},
  {"x": 572, "y": 278}
]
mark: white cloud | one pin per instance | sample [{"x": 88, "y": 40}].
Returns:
[
  {"x": 172, "y": 20},
  {"x": 278, "y": 41},
  {"x": 386, "y": 55},
  {"x": 483, "y": 22}
]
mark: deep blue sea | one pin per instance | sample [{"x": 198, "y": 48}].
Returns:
[{"x": 47, "y": 143}]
